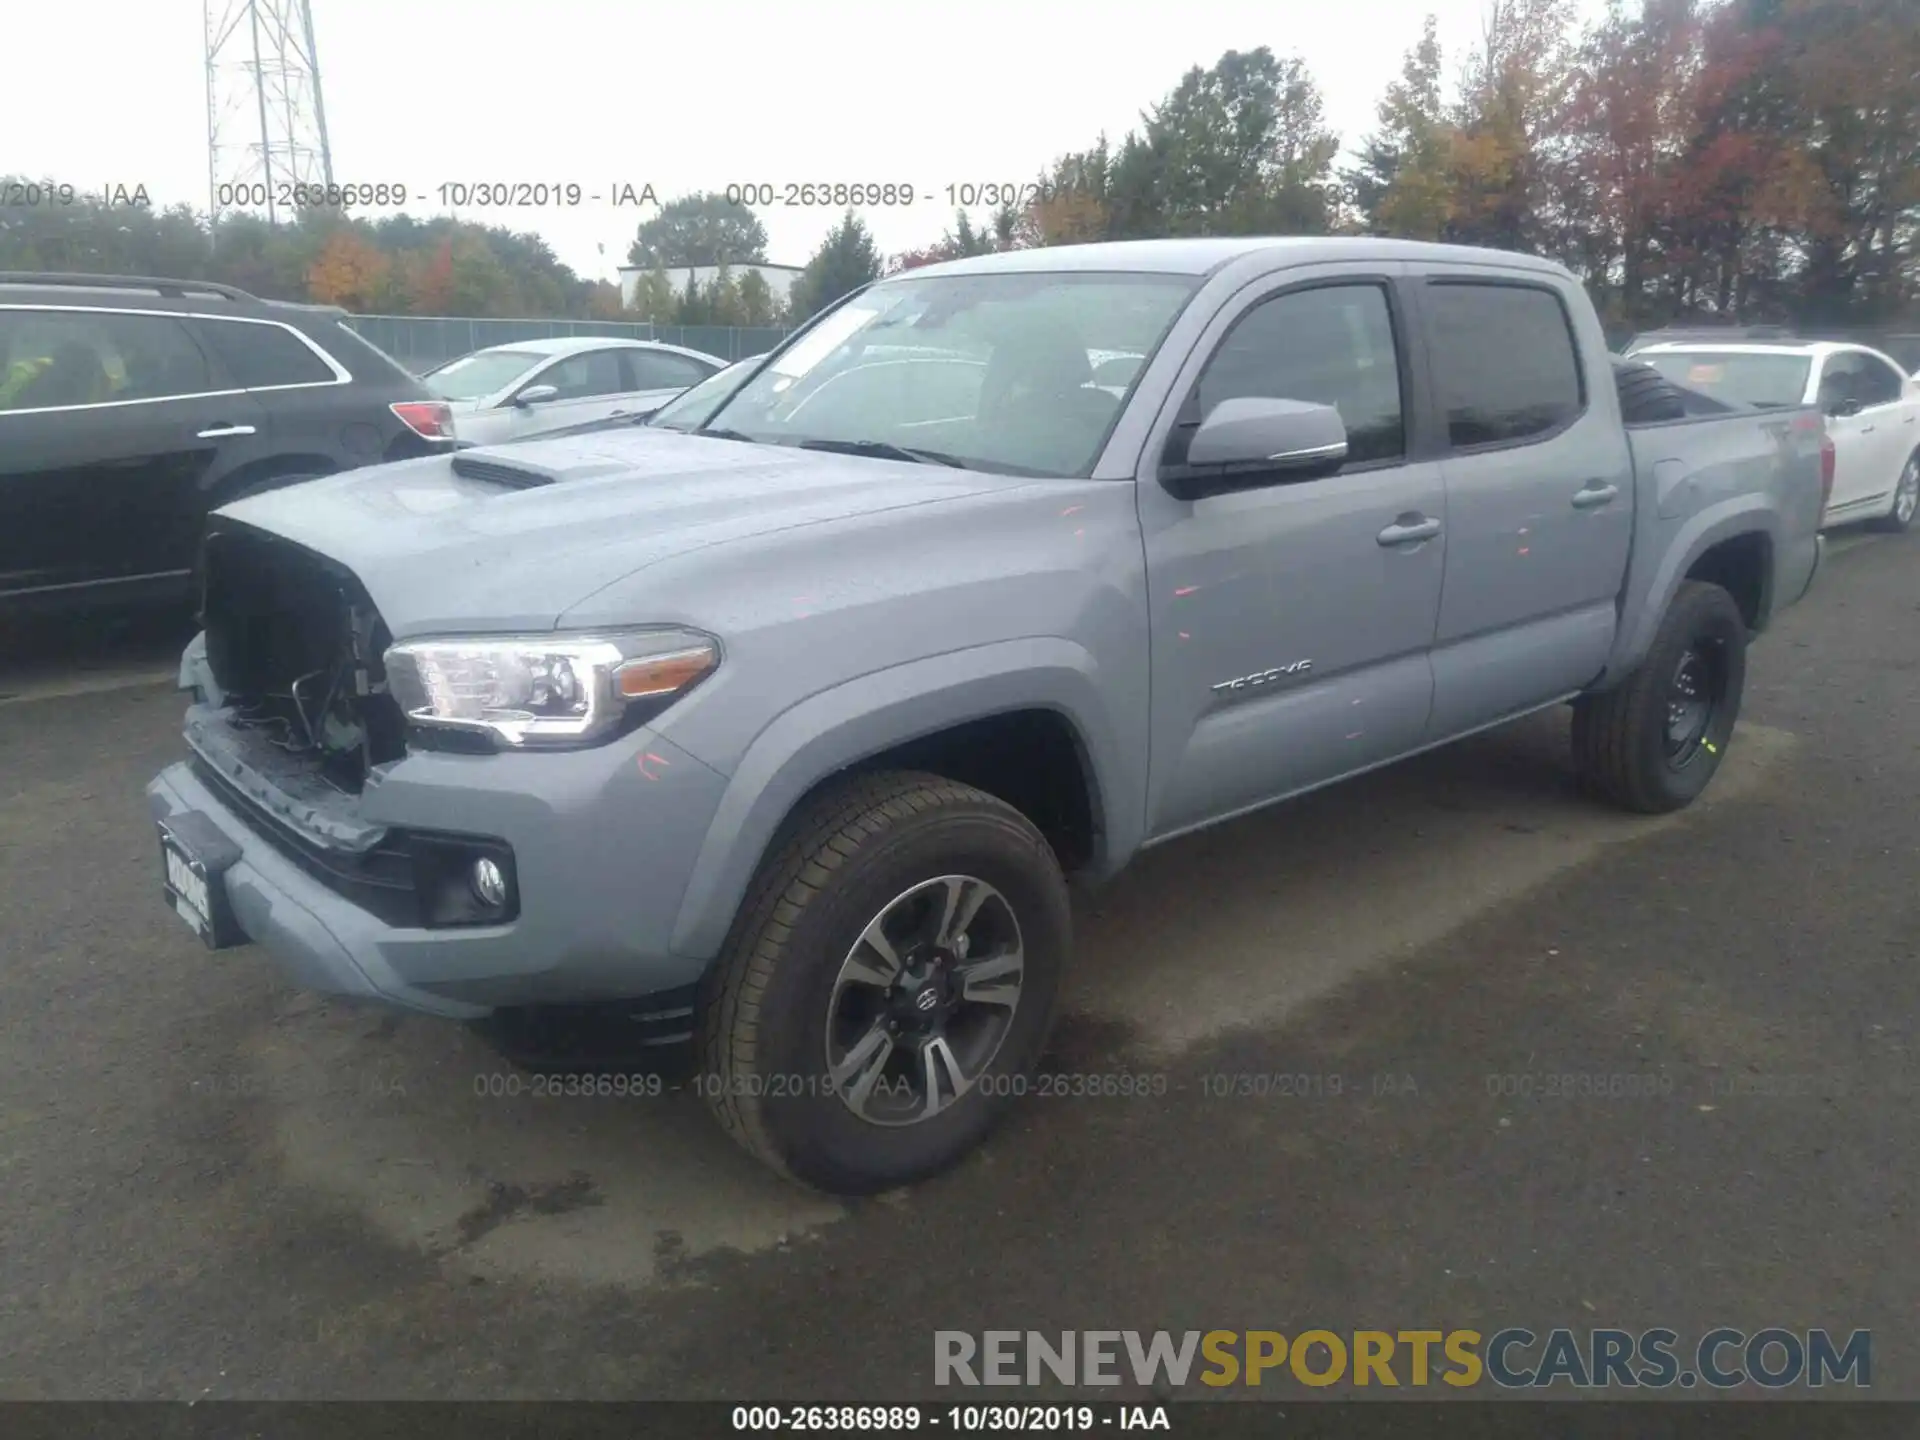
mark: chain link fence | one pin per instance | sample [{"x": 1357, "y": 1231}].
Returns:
[{"x": 421, "y": 342}]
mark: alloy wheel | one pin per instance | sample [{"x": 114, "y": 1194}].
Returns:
[{"x": 924, "y": 1000}]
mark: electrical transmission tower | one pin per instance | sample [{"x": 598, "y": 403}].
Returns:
[{"x": 266, "y": 123}]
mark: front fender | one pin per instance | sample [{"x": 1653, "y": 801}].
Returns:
[
  {"x": 840, "y": 727},
  {"x": 1676, "y": 556}
]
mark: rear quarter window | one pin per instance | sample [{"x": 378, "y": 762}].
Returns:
[{"x": 261, "y": 356}]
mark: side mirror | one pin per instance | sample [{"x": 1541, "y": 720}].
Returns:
[
  {"x": 1253, "y": 440},
  {"x": 535, "y": 395},
  {"x": 1845, "y": 408}
]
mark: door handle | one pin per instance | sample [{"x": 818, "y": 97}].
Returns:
[
  {"x": 1866, "y": 429},
  {"x": 1594, "y": 495},
  {"x": 611, "y": 414},
  {"x": 220, "y": 432},
  {"x": 1409, "y": 532}
]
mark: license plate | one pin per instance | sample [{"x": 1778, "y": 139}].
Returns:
[{"x": 195, "y": 890}]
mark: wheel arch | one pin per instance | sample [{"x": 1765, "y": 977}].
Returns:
[
  {"x": 1734, "y": 546},
  {"x": 924, "y": 715}
]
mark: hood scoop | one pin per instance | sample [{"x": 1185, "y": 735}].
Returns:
[
  {"x": 520, "y": 467},
  {"x": 497, "y": 472}
]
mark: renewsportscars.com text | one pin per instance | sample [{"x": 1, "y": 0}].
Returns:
[{"x": 1514, "y": 1358}]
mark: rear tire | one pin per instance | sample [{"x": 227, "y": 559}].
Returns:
[
  {"x": 811, "y": 1064},
  {"x": 1651, "y": 744},
  {"x": 1906, "y": 501}
]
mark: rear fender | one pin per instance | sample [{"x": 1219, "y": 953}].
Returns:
[{"x": 1691, "y": 538}]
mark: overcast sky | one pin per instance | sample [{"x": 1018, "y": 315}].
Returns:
[{"x": 682, "y": 97}]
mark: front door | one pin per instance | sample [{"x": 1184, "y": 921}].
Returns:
[
  {"x": 1291, "y": 622},
  {"x": 589, "y": 386}
]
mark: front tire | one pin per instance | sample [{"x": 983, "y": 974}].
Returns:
[
  {"x": 1652, "y": 744},
  {"x": 1906, "y": 501},
  {"x": 888, "y": 985}
]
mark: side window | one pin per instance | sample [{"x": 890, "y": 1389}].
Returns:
[
  {"x": 579, "y": 377},
  {"x": 65, "y": 358},
  {"x": 1880, "y": 383},
  {"x": 1840, "y": 379},
  {"x": 1504, "y": 362},
  {"x": 258, "y": 356},
  {"x": 659, "y": 370},
  {"x": 1332, "y": 345}
]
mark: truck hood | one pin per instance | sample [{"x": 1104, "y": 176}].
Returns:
[{"x": 511, "y": 537}]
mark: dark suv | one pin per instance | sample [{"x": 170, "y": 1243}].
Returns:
[{"x": 130, "y": 407}]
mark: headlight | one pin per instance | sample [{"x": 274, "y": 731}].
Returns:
[{"x": 546, "y": 690}]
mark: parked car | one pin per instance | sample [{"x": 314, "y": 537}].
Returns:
[
  {"x": 686, "y": 411},
  {"x": 537, "y": 387},
  {"x": 1873, "y": 412},
  {"x": 130, "y": 407},
  {"x": 786, "y": 734}
]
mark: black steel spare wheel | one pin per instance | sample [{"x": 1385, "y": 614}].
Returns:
[
  {"x": 1653, "y": 742},
  {"x": 888, "y": 983},
  {"x": 1694, "y": 697}
]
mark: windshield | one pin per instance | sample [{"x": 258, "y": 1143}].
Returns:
[
  {"x": 992, "y": 371},
  {"x": 689, "y": 409},
  {"x": 481, "y": 373},
  {"x": 1742, "y": 377}
]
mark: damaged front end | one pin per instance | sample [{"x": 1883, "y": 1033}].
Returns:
[
  {"x": 293, "y": 646},
  {"x": 294, "y": 723}
]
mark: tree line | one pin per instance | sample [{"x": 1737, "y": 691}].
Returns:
[{"x": 1756, "y": 160}]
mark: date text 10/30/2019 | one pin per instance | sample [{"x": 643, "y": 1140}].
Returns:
[{"x": 896, "y": 1419}]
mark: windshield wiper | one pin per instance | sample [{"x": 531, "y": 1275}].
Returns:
[
  {"x": 886, "y": 450},
  {"x": 724, "y": 434}
]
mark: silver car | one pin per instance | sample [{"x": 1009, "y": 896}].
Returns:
[{"x": 531, "y": 387}]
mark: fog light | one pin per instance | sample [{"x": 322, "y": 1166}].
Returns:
[{"x": 488, "y": 883}]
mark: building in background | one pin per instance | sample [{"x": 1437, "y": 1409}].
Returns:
[{"x": 779, "y": 278}]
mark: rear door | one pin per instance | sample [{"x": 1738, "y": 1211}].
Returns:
[
  {"x": 1291, "y": 620},
  {"x": 303, "y": 394},
  {"x": 1539, "y": 495},
  {"x": 654, "y": 377},
  {"x": 105, "y": 451},
  {"x": 1890, "y": 413},
  {"x": 1859, "y": 461}
]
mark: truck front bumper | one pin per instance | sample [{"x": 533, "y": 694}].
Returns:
[{"x": 603, "y": 842}]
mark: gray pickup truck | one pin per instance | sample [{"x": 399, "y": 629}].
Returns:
[{"x": 788, "y": 731}]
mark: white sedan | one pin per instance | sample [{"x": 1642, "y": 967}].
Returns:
[
  {"x": 1872, "y": 410},
  {"x": 535, "y": 387}
]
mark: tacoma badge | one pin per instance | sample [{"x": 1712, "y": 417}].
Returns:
[{"x": 1264, "y": 677}]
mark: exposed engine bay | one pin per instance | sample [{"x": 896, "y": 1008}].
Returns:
[{"x": 295, "y": 645}]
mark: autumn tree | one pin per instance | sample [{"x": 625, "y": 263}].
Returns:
[
  {"x": 349, "y": 271},
  {"x": 1624, "y": 131},
  {"x": 1070, "y": 203},
  {"x": 1512, "y": 90},
  {"x": 1402, "y": 184},
  {"x": 700, "y": 229}
]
